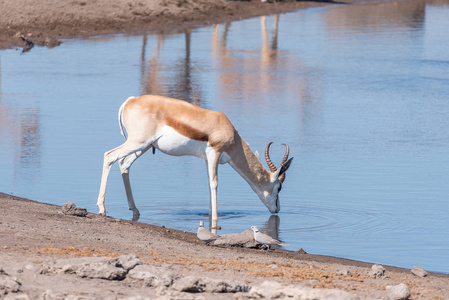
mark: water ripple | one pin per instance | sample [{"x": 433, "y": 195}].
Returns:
[{"x": 351, "y": 221}]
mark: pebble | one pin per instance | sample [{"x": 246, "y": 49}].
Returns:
[
  {"x": 275, "y": 290},
  {"x": 343, "y": 271},
  {"x": 8, "y": 284},
  {"x": 378, "y": 271},
  {"x": 301, "y": 251},
  {"x": 398, "y": 292},
  {"x": 69, "y": 208},
  {"x": 418, "y": 271}
]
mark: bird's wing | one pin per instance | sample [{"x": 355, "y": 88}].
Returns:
[{"x": 266, "y": 239}]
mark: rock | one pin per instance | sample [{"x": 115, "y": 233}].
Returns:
[
  {"x": 153, "y": 276},
  {"x": 418, "y": 271},
  {"x": 96, "y": 267},
  {"x": 20, "y": 296},
  {"x": 164, "y": 294},
  {"x": 301, "y": 251},
  {"x": 51, "y": 295},
  {"x": 378, "y": 271},
  {"x": 274, "y": 290},
  {"x": 102, "y": 270},
  {"x": 191, "y": 284},
  {"x": 244, "y": 239},
  {"x": 128, "y": 262},
  {"x": 219, "y": 286},
  {"x": 8, "y": 284},
  {"x": 398, "y": 292},
  {"x": 51, "y": 42},
  {"x": 143, "y": 272},
  {"x": 343, "y": 271},
  {"x": 69, "y": 208}
]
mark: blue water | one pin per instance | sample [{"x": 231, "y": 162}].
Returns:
[{"x": 359, "y": 92}]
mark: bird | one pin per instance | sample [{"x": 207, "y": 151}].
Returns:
[
  {"x": 205, "y": 235},
  {"x": 265, "y": 239}
]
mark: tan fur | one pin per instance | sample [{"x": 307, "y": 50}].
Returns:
[
  {"x": 145, "y": 118},
  {"x": 198, "y": 124},
  {"x": 187, "y": 119}
]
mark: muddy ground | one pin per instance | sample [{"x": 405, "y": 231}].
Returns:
[{"x": 33, "y": 235}]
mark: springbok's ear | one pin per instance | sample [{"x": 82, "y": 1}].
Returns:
[
  {"x": 257, "y": 155},
  {"x": 283, "y": 168}
]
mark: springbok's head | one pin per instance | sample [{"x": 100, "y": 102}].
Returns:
[{"x": 277, "y": 176}]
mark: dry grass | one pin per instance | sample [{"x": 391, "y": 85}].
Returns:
[
  {"x": 75, "y": 252},
  {"x": 290, "y": 273}
]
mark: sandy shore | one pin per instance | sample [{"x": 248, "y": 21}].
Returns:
[{"x": 35, "y": 238}]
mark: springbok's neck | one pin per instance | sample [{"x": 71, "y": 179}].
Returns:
[{"x": 245, "y": 162}]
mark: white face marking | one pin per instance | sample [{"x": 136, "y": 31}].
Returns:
[
  {"x": 271, "y": 200},
  {"x": 173, "y": 143}
]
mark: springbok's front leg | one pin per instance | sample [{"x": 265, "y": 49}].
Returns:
[{"x": 212, "y": 158}]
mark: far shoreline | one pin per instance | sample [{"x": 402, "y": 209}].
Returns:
[{"x": 46, "y": 24}]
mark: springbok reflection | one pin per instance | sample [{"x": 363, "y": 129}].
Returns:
[
  {"x": 23, "y": 131},
  {"x": 176, "y": 80},
  {"x": 271, "y": 226}
]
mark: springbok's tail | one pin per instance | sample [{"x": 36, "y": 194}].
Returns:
[{"x": 120, "y": 118}]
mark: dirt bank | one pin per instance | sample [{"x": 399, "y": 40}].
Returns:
[
  {"x": 47, "y": 20},
  {"x": 33, "y": 235}
]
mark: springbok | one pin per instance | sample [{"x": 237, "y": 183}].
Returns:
[{"x": 176, "y": 127}]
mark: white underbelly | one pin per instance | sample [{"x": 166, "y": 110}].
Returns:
[{"x": 173, "y": 143}]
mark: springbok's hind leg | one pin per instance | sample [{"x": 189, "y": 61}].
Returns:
[
  {"x": 125, "y": 164},
  {"x": 110, "y": 158}
]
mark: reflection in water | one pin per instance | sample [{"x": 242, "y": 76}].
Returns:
[
  {"x": 177, "y": 80},
  {"x": 243, "y": 72},
  {"x": 271, "y": 227},
  {"x": 20, "y": 125},
  {"x": 376, "y": 17},
  {"x": 29, "y": 152}
]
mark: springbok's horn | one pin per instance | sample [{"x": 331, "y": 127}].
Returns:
[
  {"x": 284, "y": 159},
  {"x": 287, "y": 152},
  {"x": 267, "y": 158}
]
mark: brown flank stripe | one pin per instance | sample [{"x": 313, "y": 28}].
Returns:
[{"x": 187, "y": 130}]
